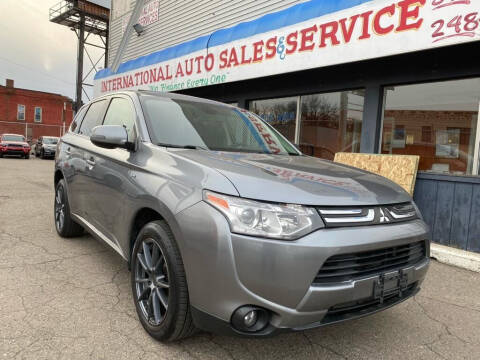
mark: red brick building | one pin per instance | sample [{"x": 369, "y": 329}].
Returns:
[{"x": 33, "y": 113}]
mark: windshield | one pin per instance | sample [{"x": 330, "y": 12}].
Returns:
[
  {"x": 13, "y": 138},
  {"x": 216, "y": 127},
  {"x": 50, "y": 140}
]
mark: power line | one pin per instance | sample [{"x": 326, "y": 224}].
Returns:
[{"x": 36, "y": 71}]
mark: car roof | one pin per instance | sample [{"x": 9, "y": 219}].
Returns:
[{"x": 166, "y": 95}]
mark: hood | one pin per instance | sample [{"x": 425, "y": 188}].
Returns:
[
  {"x": 299, "y": 179},
  {"x": 23, "y": 143}
]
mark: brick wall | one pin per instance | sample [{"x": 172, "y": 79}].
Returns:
[{"x": 52, "y": 112}]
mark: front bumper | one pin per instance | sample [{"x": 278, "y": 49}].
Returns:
[
  {"x": 19, "y": 151},
  {"x": 226, "y": 271},
  {"x": 49, "y": 152}
]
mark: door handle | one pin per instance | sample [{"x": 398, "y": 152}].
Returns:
[
  {"x": 68, "y": 151},
  {"x": 91, "y": 163}
]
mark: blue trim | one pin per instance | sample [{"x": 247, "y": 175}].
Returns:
[{"x": 290, "y": 16}]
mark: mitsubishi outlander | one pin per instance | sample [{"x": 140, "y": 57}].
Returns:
[{"x": 226, "y": 226}]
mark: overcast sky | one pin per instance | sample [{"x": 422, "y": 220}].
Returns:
[{"x": 36, "y": 53}]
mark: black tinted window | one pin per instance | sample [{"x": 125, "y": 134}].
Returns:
[
  {"x": 50, "y": 140},
  {"x": 120, "y": 112},
  {"x": 13, "y": 138},
  {"x": 208, "y": 125},
  {"x": 78, "y": 119},
  {"x": 93, "y": 117}
]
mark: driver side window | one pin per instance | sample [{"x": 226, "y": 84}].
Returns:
[
  {"x": 120, "y": 112},
  {"x": 93, "y": 117}
]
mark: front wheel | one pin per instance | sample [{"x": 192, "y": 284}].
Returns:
[
  {"x": 27, "y": 156},
  {"x": 64, "y": 223},
  {"x": 159, "y": 284}
]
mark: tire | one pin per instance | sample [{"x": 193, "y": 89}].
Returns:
[
  {"x": 42, "y": 154},
  {"x": 64, "y": 223},
  {"x": 27, "y": 156},
  {"x": 170, "y": 319}
]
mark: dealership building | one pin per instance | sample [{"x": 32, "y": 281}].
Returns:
[{"x": 370, "y": 76}]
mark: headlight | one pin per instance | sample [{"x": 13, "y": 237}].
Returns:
[
  {"x": 417, "y": 210},
  {"x": 257, "y": 218}
]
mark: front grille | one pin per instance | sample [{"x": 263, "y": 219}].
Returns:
[
  {"x": 347, "y": 267},
  {"x": 367, "y": 215},
  {"x": 369, "y": 306},
  {"x": 15, "y": 146}
]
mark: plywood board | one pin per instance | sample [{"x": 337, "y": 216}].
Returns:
[{"x": 401, "y": 169}]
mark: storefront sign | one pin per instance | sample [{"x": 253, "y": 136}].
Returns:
[
  {"x": 149, "y": 13},
  {"x": 374, "y": 29}
]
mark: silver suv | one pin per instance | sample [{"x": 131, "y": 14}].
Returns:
[
  {"x": 46, "y": 146},
  {"x": 226, "y": 226}
]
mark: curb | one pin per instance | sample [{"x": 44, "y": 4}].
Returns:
[{"x": 459, "y": 258}]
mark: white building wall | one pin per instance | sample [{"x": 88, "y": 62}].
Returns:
[{"x": 183, "y": 20}]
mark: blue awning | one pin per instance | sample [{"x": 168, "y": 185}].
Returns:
[{"x": 290, "y": 16}]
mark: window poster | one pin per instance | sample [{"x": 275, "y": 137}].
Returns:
[{"x": 447, "y": 143}]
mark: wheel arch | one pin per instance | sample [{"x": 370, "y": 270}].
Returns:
[
  {"x": 57, "y": 177},
  {"x": 145, "y": 215}
]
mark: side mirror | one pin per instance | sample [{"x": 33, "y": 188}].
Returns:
[{"x": 110, "y": 137}]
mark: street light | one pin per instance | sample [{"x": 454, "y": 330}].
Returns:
[{"x": 139, "y": 29}]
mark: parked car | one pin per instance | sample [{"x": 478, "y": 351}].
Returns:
[
  {"x": 14, "y": 144},
  {"x": 46, "y": 146},
  {"x": 226, "y": 226}
]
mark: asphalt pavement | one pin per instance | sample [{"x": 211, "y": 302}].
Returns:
[{"x": 71, "y": 299}]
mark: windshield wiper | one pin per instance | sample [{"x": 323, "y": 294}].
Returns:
[
  {"x": 194, "y": 147},
  {"x": 252, "y": 151}
]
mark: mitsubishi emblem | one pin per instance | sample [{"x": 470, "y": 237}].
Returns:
[{"x": 383, "y": 217}]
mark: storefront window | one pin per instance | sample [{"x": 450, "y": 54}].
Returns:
[
  {"x": 281, "y": 113},
  {"x": 331, "y": 122},
  {"x": 437, "y": 121}
]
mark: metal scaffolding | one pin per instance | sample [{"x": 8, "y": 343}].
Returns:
[{"x": 86, "y": 19}]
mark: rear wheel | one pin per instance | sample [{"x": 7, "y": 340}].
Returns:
[
  {"x": 64, "y": 223},
  {"x": 159, "y": 285}
]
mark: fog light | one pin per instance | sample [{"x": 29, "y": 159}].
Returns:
[{"x": 251, "y": 318}]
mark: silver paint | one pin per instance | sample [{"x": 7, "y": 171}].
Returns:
[{"x": 107, "y": 189}]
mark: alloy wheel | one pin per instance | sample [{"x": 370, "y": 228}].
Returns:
[
  {"x": 152, "y": 282},
  {"x": 59, "y": 208}
]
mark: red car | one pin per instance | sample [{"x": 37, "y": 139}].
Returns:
[{"x": 13, "y": 144}]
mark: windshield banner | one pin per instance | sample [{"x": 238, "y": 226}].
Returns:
[{"x": 373, "y": 29}]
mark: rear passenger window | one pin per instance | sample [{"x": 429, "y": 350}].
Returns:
[
  {"x": 78, "y": 119},
  {"x": 93, "y": 117},
  {"x": 120, "y": 112}
]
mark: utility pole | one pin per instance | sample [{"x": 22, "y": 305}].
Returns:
[
  {"x": 63, "y": 116},
  {"x": 80, "y": 51}
]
